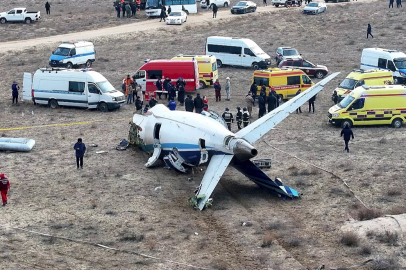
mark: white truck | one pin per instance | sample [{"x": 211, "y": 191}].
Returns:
[{"x": 19, "y": 15}]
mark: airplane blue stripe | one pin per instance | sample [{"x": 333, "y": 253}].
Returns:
[
  {"x": 58, "y": 92},
  {"x": 180, "y": 146}
]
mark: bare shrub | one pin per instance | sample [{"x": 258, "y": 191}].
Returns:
[
  {"x": 394, "y": 192},
  {"x": 349, "y": 239},
  {"x": 293, "y": 241},
  {"x": 367, "y": 214},
  {"x": 267, "y": 240},
  {"x": 399, "y": 27},
  {"x": 390, "y": 238},
  {"x": 151, "y": 244},
  {"x": 381, "y": 263},
  {"x": 365, "y": 251},
  {"x": 275, "y": 225},
  {"x": 351, "y": 42},
  {"x": 293, "y": 167},
  {"x": 219, "y": 265},
  {"x": 111, "y": 213},
  {"x": 126, "y": 236},
  {"x": 397, "y": 210},
  {"x": 294, "y": 172},
  {"x": 383, "y": 141}
]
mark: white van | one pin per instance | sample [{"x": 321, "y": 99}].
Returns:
[
  {"x": 236, "y": 52},
  {"x": 70, "y": 87},
  {"x": 392, "y": 60},
  {"x": 71, "y": 53}
]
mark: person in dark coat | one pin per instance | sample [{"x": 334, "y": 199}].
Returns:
[
  {"x": 181, "y": 84},
  {"x": 245, "y": 117},
  {"x": 391, "y": 3},
  {"x": 14, "y": 91},
  {"x": 271, "y": 100},
  {"x": 261, "y": 105},
  {"x": 398, "y": 3},
  {"x": 48, "y": 7},
  {"x": 158, "y": 85},
  {"x": 123, "y": 8},
  {"x": 263, "y": 90},
  {"x": 171, "y": 91},
  {"x": 228, "y": 118},
  {"x": 298, "y": 109},
  {"x": 311, "y": 103},
  {"x": 335, "y": 97},
  {"x": 166, "y": 85},
  {"x": 152, "y": 102},
  {"x": 198, "y": 103},
  {"x": 238, "y": 117},
  {"x": 80, "y": 149},
  {"x": 347, "y": 132},
  {"x": 215, "y": 8},
  {"x": 276, "y": 96},
  {"x": 133, "y": 9},
  {"x": 169, "y": 10},
  {"x": 253, "y": 90},
  {"x": 163, "y": 13},
  {"x": 369, "y": 31},
  {"x": 217, "y": 90},
  {"x": 138, "y": 105},
  {"x": 118, "y": 9},
  {"x": 189, "y": 104},
  {"x": 208, "y": 4}
]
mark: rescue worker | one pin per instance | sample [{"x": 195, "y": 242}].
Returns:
[
  {"x": 14, "y": 91},
  {"x": 198, "y": 102},
  {"x": 227, "y": 88},
  {"x": 163, "y": 13},
  {"x": 206, "y": 103},
  {"x": 228, "y": 118},
  {"x": 347, "y": 132},
  {"x": 80, "y": 149},
  {"x": 138, "y": 105},
  {"x": 335, "y": 97},
  {"x": 311, "y": 102},
  {"x": 118, "y": 9},
  {"x": 189, "y": 104},
  {"x": 369, "y": 31},
  {"x": 152, "y": 102},
  {"x": 4, "y": 188},
  {"x": 217, "y": 90},
  {"x": 298, "y": 109},
  {"x": 172, "y": 104},
  {"x": 238, "y": 117},
  {"x": 263, "y": 90},
  {"x": 127, "y": 81},
  {"x": 48, "y": 8},
  {"x": 273, "y": 92},
  {"x": 133, "y": 9},
  {"x": 250, "y": 102},
  {"x": 215, "y": 8},
  {"x": 261, "y": 105},
  {"x": 181, "y": 84},
  {"x": 171, "y": 91},
  {"x": 128, "y": 10},
  {"x": 166, "y": 85},
  {"x": 272, "y": 101},
  {"x": 123, "y": 8},
  {"x": 245, "y": 117},
  {"x": 253, "y": 90}
]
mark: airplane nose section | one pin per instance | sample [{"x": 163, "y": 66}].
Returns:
[{"x": 243, "y": 150}]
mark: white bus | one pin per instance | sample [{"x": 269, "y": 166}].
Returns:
[{"x": 153, "y": 7}]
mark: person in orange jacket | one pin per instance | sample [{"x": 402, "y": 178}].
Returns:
[
  {"x": 4, "y": 188},
  {"x": 127, "y": 81}
]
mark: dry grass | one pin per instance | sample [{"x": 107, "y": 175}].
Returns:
[
  {"x": 350, "y": 239},
  {"x": 367, "y": 214}
]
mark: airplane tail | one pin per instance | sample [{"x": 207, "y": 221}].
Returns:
[{"x": 255, "y": 174}]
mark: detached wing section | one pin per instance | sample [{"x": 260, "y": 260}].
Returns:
[
  {"x": 218, "y": 164},
  {"x": 263, "y": 125}
]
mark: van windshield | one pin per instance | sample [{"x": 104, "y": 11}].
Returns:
[
  {"x": 257, "y": 50},
  {"x": 62, "y": 51},
  {"x": 348, "y": 84},
  {"x": 153, "y": 4},
  {"x": 400, "y": 63},
  {"x": 105, "y": 86},
  {"x": 346, "y": 101}
]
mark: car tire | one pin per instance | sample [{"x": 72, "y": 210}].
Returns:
[
  {"x": 219, "y": 63},
  {"x": 245, "y": 11},
  {"x": 3, "y": 20},
  {"x": 103, "y": 107},
  {"x": 319, "y": 75},
  {"x": 69, "y": 65},
  {"x": 202, "y": 85},
  {"x": 254, "y": 9},
  {"x": 346, "y": 122},
  {"x": 276, "y": 5},
  {"x": 225, "y": 4},
  {"x": 88, "y": 63},
  {"x": 53, "y": 104},
  {"x": 27, "y": 20},
  {"x": 397, "y": 123},
  {"x": 255, "y": 66},
  {"x": 232, "y": 11}
]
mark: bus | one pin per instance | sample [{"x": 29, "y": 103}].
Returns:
[{"x": 153, "y": 7}]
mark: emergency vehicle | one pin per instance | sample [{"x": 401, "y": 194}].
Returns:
[
  {"x": 360, "y": 77},
  {"x": 285, "y": 81},
  {"x": 148, "y": 74},
  {"x": 208, "y": 72},
  {"x": 73, "y": 53},
  {"x": 371, "y": 105}
]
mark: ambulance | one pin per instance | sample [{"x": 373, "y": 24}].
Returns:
[
  {"x": 371, "y": 105},
  {"x": 73, "y": 53},
  {"x": 148, "y": 74},
  {"x": 208, "y": 72},
  {"x": 360, "y": 77},
  {"x": 285, "y": 81}
]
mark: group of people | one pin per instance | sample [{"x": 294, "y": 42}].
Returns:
[
  {"x": 271, "y": 101},
  {"x": 242, "y": 117},
  {"x": 133, "y": 92},
  {"x": 128, "y": 10},
  {"x": 213, "y": 7},
  {"x": 398, "y": 3}
]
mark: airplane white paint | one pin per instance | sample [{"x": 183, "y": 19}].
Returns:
[{"x": 184, "y": 139}]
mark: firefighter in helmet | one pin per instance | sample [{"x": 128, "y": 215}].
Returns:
[
  {"x": 228, "y": 118},
  {"x": 245, "y": 117},
  {"x": 239, "y": 117}
]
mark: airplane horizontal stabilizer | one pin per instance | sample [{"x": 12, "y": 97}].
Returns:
[
  {"x": 255, "y": 174},
  {"x": 263, "y": 125},
  {"x": 218, "y": 164}
]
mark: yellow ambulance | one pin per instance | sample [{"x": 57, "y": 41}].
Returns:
[
  {"x": 207, "y": 64},
  {"x": 371, "y": 105},
  {"x": 285, "y": 81},
  {"x": 360, "y": 77}
]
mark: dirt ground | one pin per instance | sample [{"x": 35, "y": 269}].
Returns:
[{"x": 113, "y": 200}]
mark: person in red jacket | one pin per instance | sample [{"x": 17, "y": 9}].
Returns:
[{"x": 4, "y": 187}]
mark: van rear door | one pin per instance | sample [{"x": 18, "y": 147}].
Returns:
[{"x": 27, "y": 86}]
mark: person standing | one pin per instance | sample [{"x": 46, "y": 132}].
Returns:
[
  {"x": 133, "y": 9},
  {"x": 127, "y": 82},
  {"x": 398, "y": 3},
  {"x": 138, "y": 105},
  {"x": 273, "y": 92},
  {"x": 391, "y": 3},
  {"x": 198, "y": 102},
  {"x": 311, "y": 103},
  {"x": 271, "y": 100},
  {"x": 80, "y": 149},
  {"x": 250, "y": 102},
  {"x": 227, "y": 88},
  {"x": 158, "y": 85},
  {"x": 245, "y": 117},
  {"x": 263, "y": 90},
  {"x": 217, "y": 90},
  {"x": 163, "y": 13},
  {"x": 131, "y": 89},
  {"x": 14, "y": 91},
  {"x": 48, "y": 8},
  {"x": 169, "y": 10},
  {"x": 298, "y": 109},
  {"x": 128, "y": 10},
  {"x": 238, "y": 117},
  {"x": 335, "y": 97},
  {"x": 172, "y": 104},
  {"x": 189, "y": 104},
  {"x": 208, "y": 4},
  {"x": 264, "y": 2},
  {"x": 253, "y": 90},
  {"x": 369, "y": 31},
  {"x": 261, "y": 105},
  {"x": 123, "y": 8},
  {"x": 138, "y": 91},
  {"x": 152, "y": 102},
  {"x": 181, "y": 85},
  {"x": 166, "y": 85},
  {"x": 205, "y": 104},
  {"x": 215, "y": 8},
  {"x": 347, "y": 132},
  {"x": 118, "y": 9},
  {"x": 228, "y": 118},
  {"x": 4, "y": 188}
]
